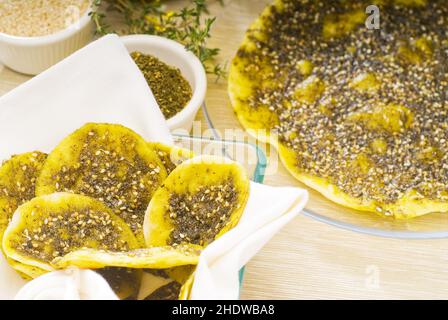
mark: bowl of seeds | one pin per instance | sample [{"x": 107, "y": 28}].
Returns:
[
  {"x": 175, "y": 76},
  {"x": 34, "y": 35}
]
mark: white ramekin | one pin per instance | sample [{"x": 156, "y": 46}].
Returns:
[
  {"x": 175, "y": 54},
  {"x": 32, "y": 55}
]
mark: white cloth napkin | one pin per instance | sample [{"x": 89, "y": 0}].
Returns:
[
  {"x": 70, "y": 284},
  {"x": 100, "y": 83},
  {"x": 267, "y": 211}
]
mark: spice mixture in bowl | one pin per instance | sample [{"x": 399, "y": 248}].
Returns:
[
  {"x": 360, "y": 114},
  {"x": 174, "y": 64},
  {"x": 171, "y": 90}
]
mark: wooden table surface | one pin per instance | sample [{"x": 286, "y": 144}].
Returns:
[{"x": 309, "y": 259}]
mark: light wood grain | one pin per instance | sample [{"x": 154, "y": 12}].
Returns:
[{"x": 308, "y": 259}]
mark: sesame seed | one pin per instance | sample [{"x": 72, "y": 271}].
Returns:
[
  {"x": 198, "y": 217},
  {"x": 38, "y": 18}
]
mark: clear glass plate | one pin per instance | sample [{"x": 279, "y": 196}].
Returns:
[
  {"x": 431, "y": 226},
  {"x": 250, "y": 156}
]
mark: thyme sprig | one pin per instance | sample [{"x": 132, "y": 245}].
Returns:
[{"x": 189, "y": 25}]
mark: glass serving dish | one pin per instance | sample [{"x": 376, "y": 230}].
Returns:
[
  {"x": 430, "y": 226},
  {"x": 250, "y": 156}
]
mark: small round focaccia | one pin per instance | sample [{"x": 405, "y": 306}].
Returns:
[
  {"x": 122, "y": 270},
  {"x": 51, "y": 226},
  {"x": 171, "y": 156},
  {"x": 145, "y": 258},
  {"x": 110, "y": 163},
  {"x": 124, "y": 282},
  {"x": 26, "y": 271},
  {"x": 18, "y": 177},
  {"x": 201, "y": 199}
]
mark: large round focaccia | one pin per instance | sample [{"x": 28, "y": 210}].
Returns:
[
  {"x": 110, "y": 163},
  {"x": 359, "y": 114}
]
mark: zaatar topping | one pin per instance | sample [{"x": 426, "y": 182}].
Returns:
[
  {"x": 109, "y": 163},
  {"x": 198, "y": 217},
  {"x": 201, "y": 200},
  {"x": 63, "y": 232},
  {"x": 365, "y": 109},
  {"x": 18, "y": 182},
  {"x": 165, "y": 158},
  {"x": 171, "y": 157},
  {"x": 171, "y": 90},
  {"x": 128, "y": 195}
]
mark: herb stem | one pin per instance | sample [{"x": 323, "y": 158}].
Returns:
[{"x": 187, "y": 25}]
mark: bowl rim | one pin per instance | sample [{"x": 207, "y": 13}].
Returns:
[
  {"x": 60, "y": 35},
  {"x": 199, "y": 75}
]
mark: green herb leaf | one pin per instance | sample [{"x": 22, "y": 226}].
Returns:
[{"x": 187, "y": 25}]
